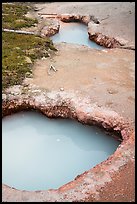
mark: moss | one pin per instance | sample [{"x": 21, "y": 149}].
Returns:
[
  {"x": 13, "y": 16},
  {"x": 15, "y": 48}
]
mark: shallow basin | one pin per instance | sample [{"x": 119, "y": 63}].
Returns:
[
  {"x": 75, "y": 33},
  {"x": 39, "y": 153}
]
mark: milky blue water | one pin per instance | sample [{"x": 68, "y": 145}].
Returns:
[
  {"x": 74, "y": 33},
  {"x": 40, "y": 153}
]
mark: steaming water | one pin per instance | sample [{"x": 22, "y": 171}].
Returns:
[
  {"x": 41, "y": 153},
  {"x": 74, "y": 33}
]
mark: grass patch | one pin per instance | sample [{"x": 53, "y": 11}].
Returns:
[
  {"x": 19, "y": 50},
  {"x": 15, "y": 49},
  {"x": 13, "y": 16}
]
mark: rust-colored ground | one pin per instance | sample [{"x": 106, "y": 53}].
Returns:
[{"x": 121, "y": 188}]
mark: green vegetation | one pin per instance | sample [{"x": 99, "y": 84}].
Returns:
[
  {"x": 13, "y": 16},
  {"x": 15, "y": 49},
  {"x": 19, "y": 50}
]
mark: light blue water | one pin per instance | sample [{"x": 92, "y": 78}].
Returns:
[
  {"x": 74, "y": 33},
  {"x": 41, "y": 153}
]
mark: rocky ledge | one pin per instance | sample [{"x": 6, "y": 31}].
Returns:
[
  {"x": 50, "y": 30},
  {"x": 84, "y": 187},
  {"x": 49, "y": 27},
  {"x": 93, "y": 24},
  {"x": 104, "y": 39},
  {"x": 77, "y": 18},
  {"x": 94, "y": 32}
]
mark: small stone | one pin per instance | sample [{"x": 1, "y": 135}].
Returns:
[
  {"x": 61, "y": 89},
  {"x": 28, "y": 60},
  {"x": 104, "y": 51},
  {"x": 17, "y": 48},
  {"x": 28, "y": 75},
  {"x": 43, "y": 58},
  {"x": 112, "y": 91},
  {"x": 4, "y": 97}
]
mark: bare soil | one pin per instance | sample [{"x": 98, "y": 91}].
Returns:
[{"x": 107, "y": 76}]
